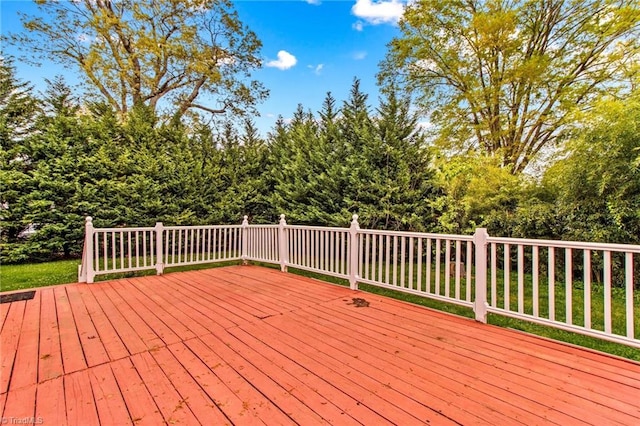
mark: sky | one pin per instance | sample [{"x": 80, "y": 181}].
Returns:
[{"x": 310, "y": 47}]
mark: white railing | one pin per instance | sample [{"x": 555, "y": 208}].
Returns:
[
  {"x": 431, "y": 265},
  {"x": 191, "y": 245},
  {"x": 555, "y": 283},
  {"x": 120, "y": 250}
]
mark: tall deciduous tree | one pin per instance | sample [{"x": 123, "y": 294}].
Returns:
[
  {"x": 195, "y": 54},
  {"x": 502, "y": 77}
]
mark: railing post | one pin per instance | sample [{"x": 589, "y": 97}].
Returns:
[
  {"x": 283, "y": 244},
  {"x": 87, "y": 273},
  {"x": 480, "y": 243},
  {"x": 159, "y": 230},
  {"x": 353, "y": 253},
  {"x": 245, "y": 240}
]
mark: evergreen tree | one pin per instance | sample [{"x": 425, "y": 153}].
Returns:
[
  {"x": 402, "y": 178},
  {"x": 18, "y": 110}
]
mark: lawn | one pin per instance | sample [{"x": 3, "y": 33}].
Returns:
[
  {"x": 17, "y": 277},
  {"x": 30, "y": 275}
]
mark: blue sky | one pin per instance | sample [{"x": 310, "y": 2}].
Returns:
[{"x": 310, "y": 47}]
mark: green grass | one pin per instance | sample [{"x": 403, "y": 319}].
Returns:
[
  {"x": 33, "y": 275},
  {"x": 18, "y": 277}
]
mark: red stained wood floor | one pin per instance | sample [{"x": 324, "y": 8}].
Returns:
[{"x": 251, "y": 345}]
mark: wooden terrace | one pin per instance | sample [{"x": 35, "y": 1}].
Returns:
[{"x": 252, "y": 345}]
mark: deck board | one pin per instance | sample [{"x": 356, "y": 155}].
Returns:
[
  {"x": 26, "y": 359},
  {"x": 251, "y": 345}
]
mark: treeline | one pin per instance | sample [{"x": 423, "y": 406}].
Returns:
[{"x": 63, "y": 160}]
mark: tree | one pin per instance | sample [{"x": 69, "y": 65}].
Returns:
[
  {"x": 503, "y": 77},
  {"x": 152, "y": 52},
  {"x": 597, "y": 181},
  {"x": 18, "y": 111},
  {"x": 403, "y": 175}
]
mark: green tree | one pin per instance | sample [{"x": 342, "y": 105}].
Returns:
[
  {"x": 241, "y": 186},
  {"x": 146, "y": 52},
  {"x": 475, "y": 191},
  {"x": 597, "y": 182},
  {"x": 403, "y": 176},
  {"x": 503, "y": 77},
  {"x": 18, "y": 111}
]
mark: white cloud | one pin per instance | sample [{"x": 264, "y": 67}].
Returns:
[
  {"x": 359, "y": 55},
  {"x": 228, "y": 60},
  {"x": 285, "y": 61},
  {"x": 317, "y": 69},
  {"x": 358, "y": 25},
  {"x": 314, "y": 2},
  {"x": 377, "y": 12}
]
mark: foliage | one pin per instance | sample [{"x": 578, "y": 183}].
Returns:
[
  {"x": 476, "y": 192},
  {"x": 323, "y": 171},
  {"x": 598, "y": 182},
  {"x": 502, "y": 78},
  {"x": 152, "y": 51},
  {"x": 17, "y": 111}
]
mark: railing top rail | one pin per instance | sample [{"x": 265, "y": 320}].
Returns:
[
  {"x": 627, "y": 248},
  {"x": 181, "y": 227},
  {"x": 123, "y": 229},
  {"x": 264, "y": 226},
  {"x": 318, "y": 228},
  {"x": 417, "y": 234}
]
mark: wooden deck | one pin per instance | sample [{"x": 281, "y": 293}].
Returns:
[{"x": 250, "y": 345}]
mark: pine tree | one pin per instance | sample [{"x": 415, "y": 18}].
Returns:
[
  {"x": 18, "y": 111},
  {"x": 404, "y": 176}
]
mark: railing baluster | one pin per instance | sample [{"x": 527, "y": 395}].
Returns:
[
  {"x": 379, "y": 258},
  {"x": 192, "y": 241},
  {"x": 457, "y": 266},
  {"x": 198, "y": 248},
  {"x": 428, "y": 286},
  {"x": 113, "y": 250},
  {"x": 411, "y": 262},
  {"x": 535, "y": 280},
  {"x": 96, "y": 248},
  {"x": 375, "y": 262},
  {"x": 419, "y": 258},
  {"x": 387, "y": 259},
  {"x": 494, "y": 275},
  {"x": 468, "y": 265},
  {"x": 568, "y": 279},
  {"x": 129, "y": 255},
  {"x": 343, "y": 253},
  {"x": 121, "y": 250},
  {"x": 507, "y": 276},
  {"x": 586, "y": 278},
  {"x": 552, "y": 284},
  {"x": 403, "y": 261},
  {"x": 437, "y": 259},
  {"x": 607, "y": 291},
  {"x": 395, "y": 260},
  {"x": 144, "y": 249},
  {"x": 152, "y": 252},
  {"x": 366, "y": 256},
  {"x": 447, "y": 268},
  {"x": 628, "y": 257},
  {"x": 520, "y": 278}
]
